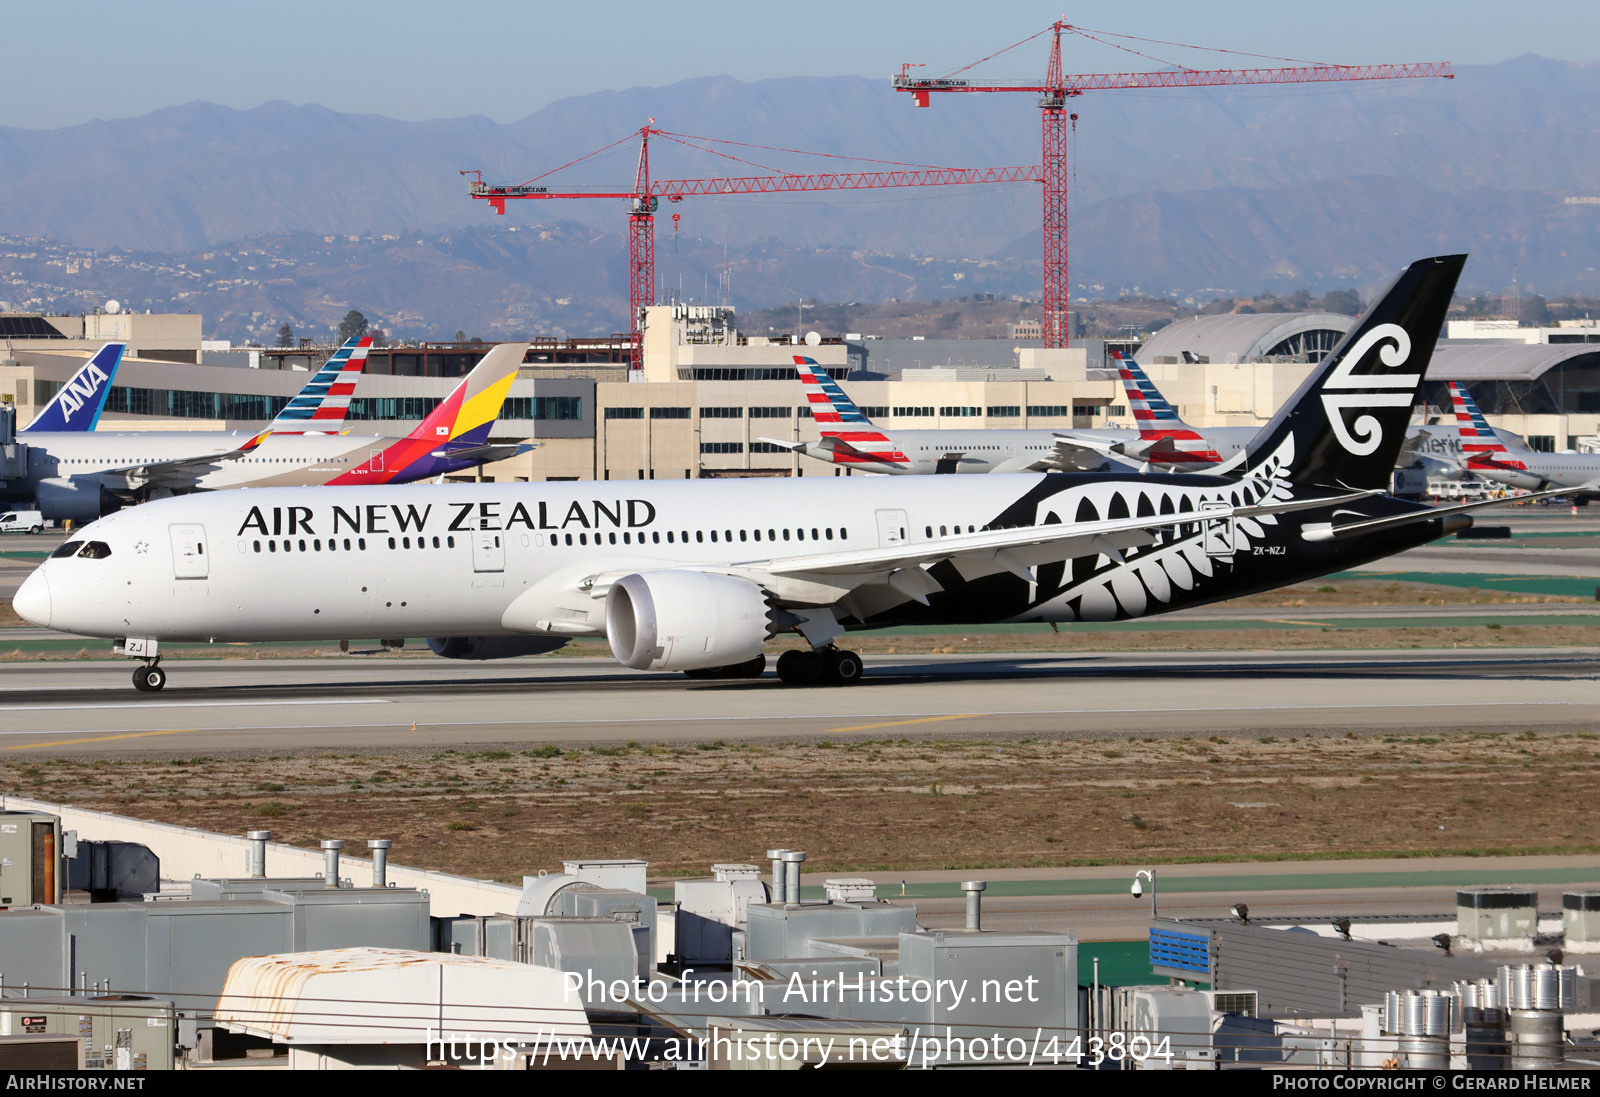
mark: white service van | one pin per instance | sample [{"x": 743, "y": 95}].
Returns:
[{"x": 21, "y": 521}]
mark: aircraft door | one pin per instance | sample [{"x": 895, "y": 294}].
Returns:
[
  {"x": 189, "y": 552},
  {"x": 891, "y": 527},
  {"x": 375, "y": 459},
  {"x": 488, "y": 551},
  {"x": 1217, "y": 534}
]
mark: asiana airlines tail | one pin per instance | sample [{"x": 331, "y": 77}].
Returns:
[{"x": 696, "y": 576}]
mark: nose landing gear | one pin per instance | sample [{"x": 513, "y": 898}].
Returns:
[{"x": 149, "y": 677}]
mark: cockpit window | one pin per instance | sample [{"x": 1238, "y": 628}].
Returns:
[
  {"x": 69, "y": 549},
  {"x": 95, "y": 550}
]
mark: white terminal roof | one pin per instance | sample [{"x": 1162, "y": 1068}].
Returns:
[
  {"x": 1246, "y": 337},
  {"x": 1492, "y": 360},
  {"x": 396, "y": 996},
  {"x": 1236, "y": 337}
]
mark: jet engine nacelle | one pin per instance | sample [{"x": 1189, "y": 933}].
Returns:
[
  {"x": 62, "y": 498},
  {"x": 685, "y": 620},
  {"x": 492, "y": 647}
]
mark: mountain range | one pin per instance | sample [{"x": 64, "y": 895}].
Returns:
[{"x": 1185, "y": 193}]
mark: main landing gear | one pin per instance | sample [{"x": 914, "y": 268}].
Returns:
[
  {"x": 149, "y": 678},
  {"x": 827, "y": 666}
]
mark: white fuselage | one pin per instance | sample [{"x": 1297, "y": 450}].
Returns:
[
  {"x": 984, "y": 451},
  {"x": 1532, "y": 471},
  {"x": 283, "y": 460}
]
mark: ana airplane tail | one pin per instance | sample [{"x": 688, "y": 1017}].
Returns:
[
  {"x": 324, "y": 402},
  {"x": 456, "y": 434},
  {"x": 1346, "y": 423},
  {"x": 78, "y": 405}
]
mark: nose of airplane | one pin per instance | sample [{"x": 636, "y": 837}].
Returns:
[{"x": 32, "y": 601}]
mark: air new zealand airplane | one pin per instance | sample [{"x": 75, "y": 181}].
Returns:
[{"x": 696, "y": 576}]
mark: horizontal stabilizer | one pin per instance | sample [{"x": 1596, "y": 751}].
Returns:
[{"x": 1329, "y": 531}]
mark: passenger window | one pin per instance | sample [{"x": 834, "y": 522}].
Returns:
[
  {"x": 258, "y": 546},
  {"x": 772, "y": 535},
  {"x": 272, "y": 546},
  {"x": 391, "y": 542},
  {"x": 844, "y": 535},
  {"x": 655, "y": 538},
  {"x": 785, "y": 535},
  {"x": 669, "y": 537},
  {"x": 69, "y": 549},
  {"x": 569, "y": 538},
  {"x": 814, "y": 536},
  {"x": 927, "y": 531},
  {"x": 713, "y": 536},
  {"x": 744, "y": 535},
  {"x": 361, "y": 541},
  {"x": 613, "y": 539},
  {"x": 317, "y": 545},
  {"x": 583, "y": 538},
  {"x": 450, "y": 542},
  {"x": 405, "y": 542},
  {"x": 829, "y": 532},
  {"x": 943, "y": 532},
  {"x": 699, "y": 536}
]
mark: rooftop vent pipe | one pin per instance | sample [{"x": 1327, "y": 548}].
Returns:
[
  {"x": 330, "y": 861},
  {"x": 974, "y": 890},
  {"x": 380, "y": 861},
  {"x": 776, "y": 856},
  {"x": 258, "y": 851},
  {"x": 791, "y": 875}
]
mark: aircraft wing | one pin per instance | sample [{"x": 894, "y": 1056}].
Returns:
[
  {"x": 178, "y": 474},
  {"x": 1014, "y": 550},
  {"x": 1078, "y": 453}
]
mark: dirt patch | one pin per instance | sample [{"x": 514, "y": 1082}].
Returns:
[{"x": 887, "y": 803}]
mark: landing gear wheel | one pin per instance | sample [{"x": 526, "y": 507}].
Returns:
[
  {"x": 149, "y": 679},
  {"x": 799, "y": 668},
  {"x": 841, "y": 668}
]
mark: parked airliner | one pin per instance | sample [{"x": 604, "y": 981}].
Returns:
[
  {"x": 83, "y": 476},
  {"x": 1486, "y": 452},
  {"x": 696, "y": 576},
  {"x": 1162, "y": 442}
]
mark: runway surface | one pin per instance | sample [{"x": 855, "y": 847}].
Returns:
[{"x": 354, "y": 703}]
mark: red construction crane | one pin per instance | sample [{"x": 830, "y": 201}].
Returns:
[
  {"x": 646, "y": 194},
  {"x": 1058, "y": 88}
]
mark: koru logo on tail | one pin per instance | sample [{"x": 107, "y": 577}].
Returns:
[{"x": 1393, "y": 352}]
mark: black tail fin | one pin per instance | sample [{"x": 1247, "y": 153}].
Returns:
[{"x": 1344, "y": 426}]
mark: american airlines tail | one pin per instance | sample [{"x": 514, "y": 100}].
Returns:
[
  {"x": 78, "y": 405},
  {"x": 1480, "y": 445},
  {"x": 848, "y": 436},
  {"x": 324, "y": 402},
  {"x": 1158, "y": 422},
  {"x": 455, "y": 435}
]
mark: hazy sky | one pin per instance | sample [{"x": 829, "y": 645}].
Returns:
[{"x": 417, "y": 59}]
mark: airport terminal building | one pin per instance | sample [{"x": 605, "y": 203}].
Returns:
[{"x": 711, "y": 397}]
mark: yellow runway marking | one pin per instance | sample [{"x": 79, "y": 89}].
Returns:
[
  {"x": 100, "y": 739},
  {"x": 902, "y": 723}
]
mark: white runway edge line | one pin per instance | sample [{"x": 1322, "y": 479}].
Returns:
[
  {"x": 201, "y": 704},
  {"x": 425, "y": 723}
]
